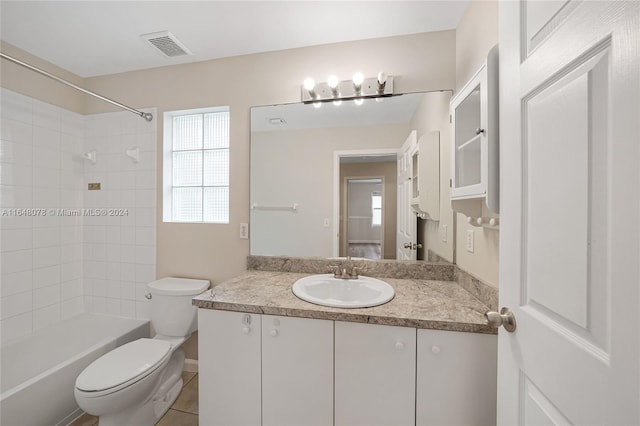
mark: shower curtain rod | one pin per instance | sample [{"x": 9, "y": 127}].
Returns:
[{"x": 147, "y": 116}]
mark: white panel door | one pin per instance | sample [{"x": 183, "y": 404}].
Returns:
[
  {"x": 407, "y": 220},
  {"x": 297, "y": 371},
  {"x": 375, "y": 373},
  {"x": 570, "y": 235},
  {"x": 229, "y": 368}
]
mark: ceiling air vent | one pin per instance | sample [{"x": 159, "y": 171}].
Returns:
[{"x": 167, "y": 43}]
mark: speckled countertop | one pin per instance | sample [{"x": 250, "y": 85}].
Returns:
[{"x": 441, "y": 305}]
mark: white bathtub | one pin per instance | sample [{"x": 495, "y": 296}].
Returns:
[{"x": 38, "y": 371}]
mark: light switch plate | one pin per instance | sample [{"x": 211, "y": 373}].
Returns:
[
  {"x": 244, "y": 231},
  {"x": 470, "y": 240}
]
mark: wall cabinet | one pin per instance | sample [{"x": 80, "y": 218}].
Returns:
[
  {"x": 271, "y": 370},
  {"x": 375, "y": 372},
  {"x": 475, "y": 141},
  {"x": 426, "y": 176}
]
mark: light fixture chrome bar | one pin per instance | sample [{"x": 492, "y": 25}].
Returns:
[
  {"x": 345, "y": 90},
  {"x": 147, "y": 116}
]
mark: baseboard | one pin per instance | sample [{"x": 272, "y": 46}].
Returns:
[{"x": 191, "y": 365}]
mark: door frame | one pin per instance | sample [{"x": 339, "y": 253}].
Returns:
[{"x": 337, "y": 155}]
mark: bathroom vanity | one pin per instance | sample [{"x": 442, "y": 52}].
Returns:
[{"x": 268, "y": 358}]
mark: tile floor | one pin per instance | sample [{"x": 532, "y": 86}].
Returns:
[{"x": 183, "y": 412}]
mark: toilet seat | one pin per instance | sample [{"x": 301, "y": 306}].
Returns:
[{"x": 123, "y": 366}]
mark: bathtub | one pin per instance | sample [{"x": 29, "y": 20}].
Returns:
[{"x": 38, "y": 371}]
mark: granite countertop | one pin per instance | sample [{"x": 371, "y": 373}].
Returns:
[{"x": 432, "y": 304}]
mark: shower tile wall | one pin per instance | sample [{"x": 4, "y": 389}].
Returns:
[
  {"x": 53, "y": 266},
  {"x": 119, "y": 248},
  {"x": 41, "y": 258}
]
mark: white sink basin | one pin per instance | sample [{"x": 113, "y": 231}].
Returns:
[{"x": 325, "y": 290}]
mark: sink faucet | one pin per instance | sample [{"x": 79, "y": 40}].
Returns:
[{"x": 346, "y": 271}]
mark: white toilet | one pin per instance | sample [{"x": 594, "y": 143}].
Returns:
[{"x": 136, "y": 383}]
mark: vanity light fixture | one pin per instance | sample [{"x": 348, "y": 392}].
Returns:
[
  {"x": 357, "y": 79},
  {"x": 359, "y": 87},
  {"x": 309, "y": 85}
]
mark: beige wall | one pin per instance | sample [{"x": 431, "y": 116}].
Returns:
[
  {"x": 16, "y": 78},
  {"x": 421, "y": 62},
  {"x": 476, "y": 34}
]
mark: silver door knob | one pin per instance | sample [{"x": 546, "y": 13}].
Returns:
[
  {"x": 407, "y": 245},
  {"x": 478, "y": 131},
  {"x": 417, "y": 246},
  {"x": 504, "y": 318}
]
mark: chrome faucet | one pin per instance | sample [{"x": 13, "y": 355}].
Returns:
[{"x": 346, "y": 271}]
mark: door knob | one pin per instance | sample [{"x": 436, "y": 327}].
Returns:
[
  {"x": 407, "y": 245},
  {"x": 417, "y": 246},
  {"x": 504, "y": 318}
]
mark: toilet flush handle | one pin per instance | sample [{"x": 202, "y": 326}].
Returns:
[{"x": 148, "y": 296}]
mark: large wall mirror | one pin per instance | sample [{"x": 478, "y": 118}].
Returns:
[{"x": 324, "y": 180}]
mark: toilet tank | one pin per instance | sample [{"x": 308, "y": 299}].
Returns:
[{"x": 172, "y": 313}]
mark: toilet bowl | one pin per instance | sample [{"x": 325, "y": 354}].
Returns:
[{"x": 136, "y": 383}]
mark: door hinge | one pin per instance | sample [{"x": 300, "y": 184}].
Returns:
[{"x": 450, "y": 118}]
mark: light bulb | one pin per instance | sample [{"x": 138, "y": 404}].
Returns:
[
  {"x": 309, "y": 84},
  {"x": 382, "y": 77},
  {"x": 332, "y": 81},
  {"x": 358, "y": 78}
]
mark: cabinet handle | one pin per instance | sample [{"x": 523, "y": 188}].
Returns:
[
  {"x": 246, "y": 330},
  {"x": 399, "y": 346},
  {"x": 435, "y": 349},
  {"x": 478, "y": 131},
  {"x": 273, "y": 333}
]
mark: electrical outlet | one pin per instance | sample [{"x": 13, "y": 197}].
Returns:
[
  {"x": 443, "y": 233},
  {"x": 244, "y": 231},
  {"x": 470, "y": 241}
]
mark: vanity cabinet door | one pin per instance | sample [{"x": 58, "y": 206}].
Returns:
[
  {"x": 456, "y": 378},
  {"x": 229, "y": 368},
  {"x": 297, "y": 371},
  {"x": 375, "y": 369}
]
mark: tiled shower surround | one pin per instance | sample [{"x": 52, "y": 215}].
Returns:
[{"x": 61, "y": 254}]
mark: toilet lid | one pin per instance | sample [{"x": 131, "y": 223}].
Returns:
[{"x": 126, "y": 363}]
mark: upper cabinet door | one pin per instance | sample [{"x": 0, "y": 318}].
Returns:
[{"x": 474, "y": 123}]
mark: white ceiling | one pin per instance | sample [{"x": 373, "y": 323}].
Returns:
[{"x": 91, "y": 38}]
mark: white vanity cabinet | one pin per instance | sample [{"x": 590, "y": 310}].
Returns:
[
  {"x": 297, "y": 371},
  {"x": 276, "y": 370},
  {"x": 456, "y": 378},
  {"x": 375, "y": 372},
  {"x": 230, "y": 391},
  {"x": 264, "y": 370}
]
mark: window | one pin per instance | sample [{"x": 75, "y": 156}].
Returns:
[
  {"x": 376, "y": 209},
  {"x": 196, "y": 166}
]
